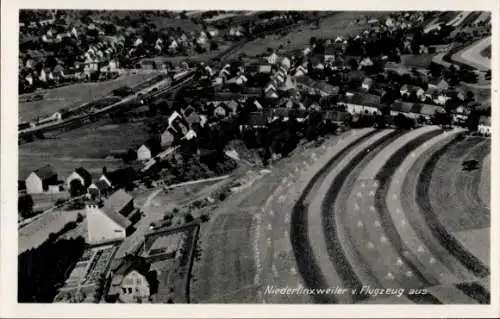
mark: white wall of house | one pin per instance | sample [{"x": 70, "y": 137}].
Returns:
[
  {"x": 102, "y": 229},
  {"x": 54, "y": 189},
  {"x": 360, "y": 109},
  {"x": 484, "y": 129},
  {"x": 143, "y": 153},
  {"x": 74, "y": 176},
  {"x": 34, "y": 184},
  {"x": 134, "y": 287}
]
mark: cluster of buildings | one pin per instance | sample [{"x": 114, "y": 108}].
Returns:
[{"x": 49, "y": 66}]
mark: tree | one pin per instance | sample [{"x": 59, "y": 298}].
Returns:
[
  {"x": 353, "y": 64},
  {"x": 213, "y": 46},
  {"x": 25, "y": 205},
  {"x": 188, "y": 218},
  {"x": 76, "y": 188},
  {"x": 435, "y": 69},
  {"x": 403, "y": 122},
  {"x": 442, "y": 118},
  {"x": 473, "y": 120},
  {"x": 312, "y": 41}
]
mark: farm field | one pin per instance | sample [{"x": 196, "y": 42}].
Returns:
[
  {"x": 36, "y": 232},
  {"x": 74, "y": 95},
  {"x": 342, "y": 23},
  {"x": 87, "y": 146}
]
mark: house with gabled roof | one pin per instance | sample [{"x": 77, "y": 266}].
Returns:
[
  {"x": 361, "y": 103},
  {"x": 484, "y": 126},
  {"x": 438, "y": 84},
  {"x": 80, "y": 174},
  {"x": 111, "y": 222},
  {"x": 415, "y": 110},
  {"x": 99, "y": 189},
  {"x": 148, "y": 150},
  {"x": 119, "y": 178},
  {"x": 41, "y": 179},
  {"x": 367, "y": 84},
  {"x": 407, "y": 90}
]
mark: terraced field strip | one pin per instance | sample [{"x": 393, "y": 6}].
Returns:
[
  {"x": 373, "y": 253},
  {"x": 327, "y": 194},
  {"x": 306, "y": 232},
  {"x": 375, "y": 239},
  {"x": 438, "y": 265},
  {"x": 437, "y": 183},
  {"x": 485, "y": 16},
  {"x": 459, "y": 18},
  {"x": 406, "y": 183}
]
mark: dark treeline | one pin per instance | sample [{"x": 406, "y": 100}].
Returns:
[{"x": 42, "y": 271}]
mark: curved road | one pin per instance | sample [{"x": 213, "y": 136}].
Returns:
[{"x": 472, "y": 55}]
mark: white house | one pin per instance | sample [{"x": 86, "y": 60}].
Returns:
[
  {"x": 40, "y": 180},
  {"x": 148, "y": 150},
  {"x": 367, "y": 84},
  {"x": 285, "y": 62},
  {"x": 300, "y": 71},
  {"x": 104, "y": 227},
  {"x": 81, "y": 175},
  {"x": 407, "y": 90},
  {"x": 484, "y": 126},
  {"x": 134, "y": 287},
  {"x": 273, "y": 58},
  {"x": 361, "y": 103}
]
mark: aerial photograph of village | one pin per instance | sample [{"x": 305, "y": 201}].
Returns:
[{"x": 278, "y": 157}]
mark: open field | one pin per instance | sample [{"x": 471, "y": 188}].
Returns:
[
  {"x": 342, "y": 23},
  {"x": 74, "y": 95},
  {"x": 36, "y": 232},
  {"x": 87, "y": 146}
]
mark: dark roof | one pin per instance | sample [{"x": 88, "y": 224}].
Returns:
[
  {"x": 336, "y": 116},
  {"x": 58, "y": 69},
  {"x": 122, "y": 176},
  {"x": 357, "y": 75},
  {"x": 101, "y": 185},
  {"x": 411, "y": 88},
  {"x": 485, "y": 120},
  {"x": 114, "y": 205},
  {"x": 256, "y": 119},
  {"x": 326, "y": 87},
  {"x": 84, "y": 174},
  {"x": 45, "y": 172},
  {"x": 364, "y": 99},
  {"x": 153, "y": 145},
  {"x": 418, "y": 108},
  {"x": 437, "y": 81}
]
